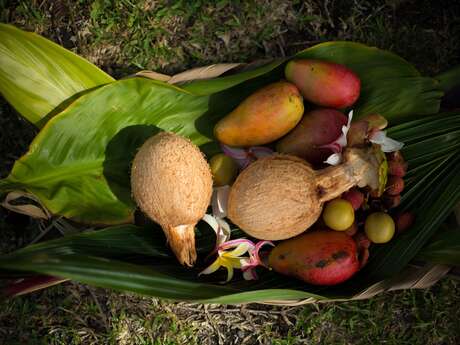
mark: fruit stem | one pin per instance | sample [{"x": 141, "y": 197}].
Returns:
[
  {"x": 333, "y": 181},
  {"x": 181, "y": 239},
  {"x": 360, "y": 168}
]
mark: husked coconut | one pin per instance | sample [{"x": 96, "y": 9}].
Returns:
[
  {"x": 280, "y": 196},
  {"x": 172, "y": 184}
]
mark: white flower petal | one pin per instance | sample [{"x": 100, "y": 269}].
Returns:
[
  {"x": 241, "y": 249},
  {"x": 219, "y": 201},
  {"x": 386, "y": 144},
  {"x": 334, "y": 159},
  {"x": 342, "y": 140},
  {"x": 220, "y": 227}
]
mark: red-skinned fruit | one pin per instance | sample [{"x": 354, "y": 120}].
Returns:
[
  {"x": 395, "y": 156},
  {"x": 324, "y": 83},
  {"x": 397, "y": 168},
  {"x": 317, "y": 128},
  {"x": 395, "y": 185},
  {"x": 404, "y": 221},
  {"x": 354, "y": 197},
  {"x": 323, "y": 257}
]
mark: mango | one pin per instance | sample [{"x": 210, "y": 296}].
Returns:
[
  {"x": 317, "y": 128},
  {"x": 263, "y": 117},
  {"x": 324, "y": 83},
  {"x": 323, "y": 257}
]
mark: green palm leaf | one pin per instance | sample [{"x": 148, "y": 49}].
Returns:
[
  {"x": 444, "y": 248},
  {"x": 37, "y": 75},
  {"x": 432, "y": 197}
]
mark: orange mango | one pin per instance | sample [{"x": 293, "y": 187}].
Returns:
[
  {"x": 263, "y": 117},
  {"x": 324, "y": 83}
]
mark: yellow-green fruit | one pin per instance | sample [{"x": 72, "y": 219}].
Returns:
[
  {"x": 224, "y": 169},
  {"x": 263, "y": 117},
  {"x": 379, "y": 227},
  {"x": 339, "y": 214}
]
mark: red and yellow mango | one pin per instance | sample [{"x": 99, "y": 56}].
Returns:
[
  {"x": 317, "y": 128},
  {"x": 263, "y": 117},
  {"x": 324, "y": 83},
  {"x": 323, "y": 257}
]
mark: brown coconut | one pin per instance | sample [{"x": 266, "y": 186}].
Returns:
[
  {"x": 172, "y": 183},
  {"x": 281, "y": 196}
]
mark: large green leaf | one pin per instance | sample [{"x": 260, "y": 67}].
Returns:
[
  {"x": 210, "y": 86},
  {"x": 78, "y": 165},
  {"x": 390, "y": 85},
  {"x": 37, "y": 75},
  {"x": 108, "y": 258}
]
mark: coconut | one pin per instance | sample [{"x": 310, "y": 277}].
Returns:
[
  {"x": 172, "y": 184},
  {"x": 281, "y": 196}
]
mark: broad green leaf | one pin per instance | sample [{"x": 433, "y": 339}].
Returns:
[
  {"x": 210, "y": 86},
  {"x": 390, "y": 85},
  {"x": 116, "y": 275},
  {"x": 37, "y": 75},
  {"x": 78, "y": 165},
  {"x": 108, "y": 258},
  {"x": 103, "y": 259},
  {"x": 122, "y": 241},
  {"x": 144, "y": 280},
  {"x": 118, "y": 241}
]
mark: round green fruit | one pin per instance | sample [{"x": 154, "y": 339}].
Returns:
[
  {"x": 339, "y": 214},
  {"x": 379, "y": 227},
  {"x": 224, "y": 169}
]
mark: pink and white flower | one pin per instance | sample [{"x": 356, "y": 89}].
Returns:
[
  {"x": 244, "y": 157},
  {"x": 230, "y": 253}
]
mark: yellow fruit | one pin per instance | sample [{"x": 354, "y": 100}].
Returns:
[
  {"x": 265, "y": 116},
  {"x": 339, "y": 214},
  {"x": 224, "y": 169},
  {"x": 379, "y": 227}
]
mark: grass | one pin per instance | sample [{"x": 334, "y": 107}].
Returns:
[
  {"x": 170, "y": 36},
  {"x": 77, "y": 314}
]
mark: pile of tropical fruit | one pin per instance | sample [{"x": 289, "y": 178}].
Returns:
[{"x": 295, "y": 173}]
